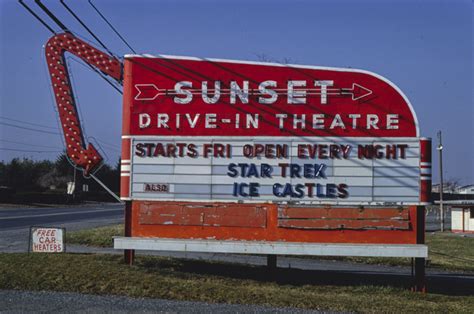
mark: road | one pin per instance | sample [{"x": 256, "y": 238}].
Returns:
[
  {"x": 15, "y": 222},
  {"x": 67, "y": 302}
]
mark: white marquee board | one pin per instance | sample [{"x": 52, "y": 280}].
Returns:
[{"x": 297, "y": 169}]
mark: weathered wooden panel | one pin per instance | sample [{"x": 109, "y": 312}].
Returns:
[
  {"x": 343, "y": 224},
  {"x": 169, "y": 214},
  {"x": 341, "y": 213},
  {"x": 232, "y": 215}
]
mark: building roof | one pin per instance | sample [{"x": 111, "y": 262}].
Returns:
[{"x": 457, "y": 202}]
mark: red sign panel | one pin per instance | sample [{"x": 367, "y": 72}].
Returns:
[
  {"x": 177, "y": 96},
  {"x": 222, "y": 130}
]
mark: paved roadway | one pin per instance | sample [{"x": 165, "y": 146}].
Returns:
[
  {"x": 67, "y": 302},
  {"x": 16, "y": 221}
]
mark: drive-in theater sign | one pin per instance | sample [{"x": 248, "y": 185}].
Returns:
[
  {"x": 205, "y": 130},
  {"x": 244, "y": 157}
]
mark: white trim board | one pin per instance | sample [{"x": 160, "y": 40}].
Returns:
[{"x": 266, "y": 247}]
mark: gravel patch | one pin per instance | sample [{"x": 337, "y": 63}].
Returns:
[{"x": 12, "y": 301}]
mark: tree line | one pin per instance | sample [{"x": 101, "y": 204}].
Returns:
[{"x": 27, "y": 175}]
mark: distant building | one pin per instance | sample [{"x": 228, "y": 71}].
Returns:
[
  {"x": 436, "y": 187},
  {"x": 467, "y": 189},
  {"x": 450, "y": 188},
  {"x": 462, "y": 215}
]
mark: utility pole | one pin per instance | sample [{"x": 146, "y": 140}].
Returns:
[
  {"x": 441, "y": 209},
  {"x": 74, "y": 188}
]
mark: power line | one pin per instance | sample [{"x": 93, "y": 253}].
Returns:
[
  {"x": 90, "y": 67},
  {"x": 31, "y": 151},
  {"x": 27, "y": 144},
  {"x": 85, "y": 26},
  {"x": 30, "y": 123},
  {"x": 52, "y": 16},
  {"x": 106, "y": 145},
  {"x": 65, "y": 29},
  {"x": 111, "y": 148},
  {"x": 30, "y": 129},
  {"x": 37, "y": 17},
  {"x": 108, "y": 23},
  {"x": 110, "y": 144}
]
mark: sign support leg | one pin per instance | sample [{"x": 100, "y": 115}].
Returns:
[
  {"x": 129, "y": 255},
  {"x": 420, "y": 284},
  {"x": 271, "y": 261}
]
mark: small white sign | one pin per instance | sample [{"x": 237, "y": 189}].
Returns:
[
  {"x": 71, "y": 186},
  {"x": 47, "y": 240},
  {"x": 156, "y": 187}
]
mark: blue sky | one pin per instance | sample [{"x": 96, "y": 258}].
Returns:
[{"x": 424, "y": 47}]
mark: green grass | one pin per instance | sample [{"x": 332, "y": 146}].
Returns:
[
  {"x": 446, "y": 251},
  {"x": 451, "y": 251},
  {"x": 101, "y": 237},
  {"x": 158, "y": 277}
]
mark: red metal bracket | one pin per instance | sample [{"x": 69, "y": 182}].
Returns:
[{"x": 84, "y": 156}]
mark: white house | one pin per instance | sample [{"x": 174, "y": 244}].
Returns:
[
  {"x": 462, "y": 215},
  {"x": 467, "y": 189},
  {"x": 447, "y": 188}
]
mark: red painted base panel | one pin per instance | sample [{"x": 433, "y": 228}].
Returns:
[{"x": 273, "y": 222}]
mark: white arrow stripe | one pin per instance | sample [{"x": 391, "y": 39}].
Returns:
[
  {"x": 280, "y": 91},
  {"x": 138, "y": 86}
]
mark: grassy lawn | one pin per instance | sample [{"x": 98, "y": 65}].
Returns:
[
  {"x": 159, "y": 277},
  {"x": 101, "y": 237},
  {"x": 446, "y": 250},
  {"x": 451, "y": 251}
]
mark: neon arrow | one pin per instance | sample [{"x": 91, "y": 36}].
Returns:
[
  {"x": 147, "y": 92},
  {"x": 357, "y": 91},
  {"x": 151, "y": 91},
  {"x": 81, "y": 154}
]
